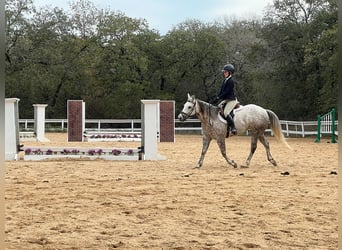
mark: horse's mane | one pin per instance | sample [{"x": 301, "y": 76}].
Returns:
[
  {"x": 206, "y": 104},
  {"x": 206, "y": 107}
]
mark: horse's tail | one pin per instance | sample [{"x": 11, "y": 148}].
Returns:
[{"x": 276, "y": 127}]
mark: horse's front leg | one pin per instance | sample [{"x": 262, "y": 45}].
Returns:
[
  {"x": 222, "y": 145},
  {"x": 205, "y": 146}
]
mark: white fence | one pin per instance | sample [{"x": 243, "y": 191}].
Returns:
[{"x": 190, "y": 126}]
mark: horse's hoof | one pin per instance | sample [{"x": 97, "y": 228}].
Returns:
[
  {"x": 246, "y": 165},
  {"x": 234, "y": 164},
  {"x": 274, "y": 162}
]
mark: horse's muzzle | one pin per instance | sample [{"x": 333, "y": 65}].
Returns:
[{"x": 181, "y": 117}]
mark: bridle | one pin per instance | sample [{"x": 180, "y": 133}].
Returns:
[{"x": 187, "y": 115}]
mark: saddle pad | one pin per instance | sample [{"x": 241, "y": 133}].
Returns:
[{"x": 237, "y": 109}]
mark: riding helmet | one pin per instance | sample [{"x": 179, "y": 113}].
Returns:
[{"x": 229, "y": 67}]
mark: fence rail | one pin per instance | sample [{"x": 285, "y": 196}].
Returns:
[{"x": 190, "y": 126}]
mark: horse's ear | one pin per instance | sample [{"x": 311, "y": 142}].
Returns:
[{"x": 191, "y": 98}]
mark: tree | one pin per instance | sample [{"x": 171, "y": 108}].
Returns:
[
  {"x": 194, "y": 60},
  {"x": 241, "y": 38},
  {"x": 285, "y": 62},
  {"x": 286, "y": 32},
  {"x": 17, "y": 26},
  {"x": 321, "y": 58},
  {"x": 122, "y": 67}
]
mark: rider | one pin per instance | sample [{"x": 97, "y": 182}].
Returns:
[{"x": 228, "y": 97}]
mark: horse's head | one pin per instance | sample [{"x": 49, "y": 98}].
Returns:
[{"x": 188, "y": 109}]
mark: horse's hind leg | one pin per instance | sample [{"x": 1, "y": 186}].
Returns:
[
  {"x": 254, "y": 140},
  {"x": 222, "y": 145},
  {"x": 205, "y": 146},
  {"x": 267, "y": 147}
]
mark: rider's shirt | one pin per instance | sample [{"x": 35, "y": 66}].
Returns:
[{"x": 227, "y": 89}]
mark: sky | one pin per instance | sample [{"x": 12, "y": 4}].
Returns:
[{"x": 163, "y": 15}]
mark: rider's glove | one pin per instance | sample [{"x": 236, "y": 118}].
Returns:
[{"x": 214, "y": 100}]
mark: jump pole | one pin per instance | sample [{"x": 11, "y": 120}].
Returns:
[
  {"x": 150, "y": 129},
  {"x": 12, "y": 146}
]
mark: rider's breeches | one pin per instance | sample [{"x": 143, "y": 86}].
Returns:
[{"x": 230, "y": 104}]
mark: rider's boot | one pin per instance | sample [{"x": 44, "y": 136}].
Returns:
[{"x": 231, "y": 125}]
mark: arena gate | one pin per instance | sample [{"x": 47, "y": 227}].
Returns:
[{"x": 326, "y": 125}]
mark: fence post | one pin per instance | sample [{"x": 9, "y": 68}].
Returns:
[
  {"x": 318, "y": 138},
  {"x": 333, "y": 139}
]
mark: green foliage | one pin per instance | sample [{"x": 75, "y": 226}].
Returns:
[
  {"x": 286, "y": 62},
  {"x": 293, "y": 59},
  {"x": 195, "y": 58}
]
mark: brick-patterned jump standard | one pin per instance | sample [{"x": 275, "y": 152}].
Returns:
[
  {"x": 75, "y": 120},
  {"x": 167, "y": 121}
]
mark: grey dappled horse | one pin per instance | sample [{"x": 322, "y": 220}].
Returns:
[{"x": 249, "y": 117}]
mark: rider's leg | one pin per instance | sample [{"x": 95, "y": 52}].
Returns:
[
  {"x": 231, "y": 124},
  {"x": 228, "y": 112}
]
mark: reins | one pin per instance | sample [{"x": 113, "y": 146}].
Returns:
[
  {"x": 210, "y": 115},
  {"x": 187, "y": 115}
]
